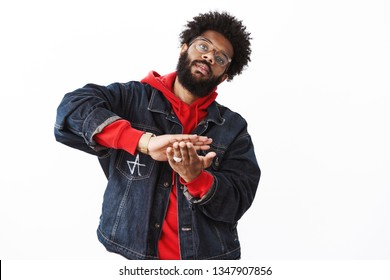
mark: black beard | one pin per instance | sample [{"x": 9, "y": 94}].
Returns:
[{"x": 198, "y": 88}]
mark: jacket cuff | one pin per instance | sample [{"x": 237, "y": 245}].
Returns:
[{"x": 200, "y": 185}]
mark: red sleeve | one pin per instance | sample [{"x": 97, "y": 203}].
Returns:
[
  {"x": 119, "y": 135},
  {"x": 200, "y": 185}
]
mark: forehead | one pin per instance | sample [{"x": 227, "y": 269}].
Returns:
[{"x": 219, "y": 41}]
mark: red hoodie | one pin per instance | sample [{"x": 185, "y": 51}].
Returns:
[{"x": 121, "y": 135}]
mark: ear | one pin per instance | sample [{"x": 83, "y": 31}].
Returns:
[
  {"x": 224, "y": 77},
  {"x": 184, "y": 47}
]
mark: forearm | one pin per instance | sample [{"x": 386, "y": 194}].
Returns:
[
  {"x": 120, "y": 135},
  {"x": 228, "y": 199},
  {"x": 236, "y": 179}
]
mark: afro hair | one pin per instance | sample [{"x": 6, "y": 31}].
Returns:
[{"x": 230, "y": 27}]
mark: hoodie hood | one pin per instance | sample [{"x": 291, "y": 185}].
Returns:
[{"x": 189, "y": 115}]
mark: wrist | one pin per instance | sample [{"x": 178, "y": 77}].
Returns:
[
  {"x": 143, "y": 142},
  {"x": 187, "y": 179},
  {"x": 199, "y": 186}
]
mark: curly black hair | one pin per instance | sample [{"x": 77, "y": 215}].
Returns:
[{"x": 231, "y": 28}]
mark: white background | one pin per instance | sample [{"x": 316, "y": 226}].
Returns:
[{"x": 316, "y": 96}]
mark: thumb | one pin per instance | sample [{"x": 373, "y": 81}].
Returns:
[{"x": 208, "y": 158}]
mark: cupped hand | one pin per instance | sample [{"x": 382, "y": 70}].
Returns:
[{"x": 184, "y": 159}]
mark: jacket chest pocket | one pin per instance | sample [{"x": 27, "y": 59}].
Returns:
[{"x": 135, "y": 167}]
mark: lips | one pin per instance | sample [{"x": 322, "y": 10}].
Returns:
[{"x": 203, "y": 68}]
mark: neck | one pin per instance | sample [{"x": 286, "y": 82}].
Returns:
[{"x": 183, "y": 94}]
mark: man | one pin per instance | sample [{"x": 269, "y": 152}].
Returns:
[{"x": 181, "y": 168}]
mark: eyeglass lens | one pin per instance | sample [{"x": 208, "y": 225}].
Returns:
[{"x": 205, "y": 47}]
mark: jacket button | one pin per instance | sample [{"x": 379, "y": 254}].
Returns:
[
  {"x": 166, "y": 184},
  {"x": 157, "y": 225}
]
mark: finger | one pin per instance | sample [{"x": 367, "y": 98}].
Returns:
[
  {"x": 191, "y": 149},
  {"x": 172, "y": 158},
  {"x": 183, "y": 137},
  {"x": 192, "y": 152},
  {"x": 169, "y": 152},
  {"x": 204, "y": 138},
  {"x": 199, "y": 140},
  {"x": 208, "y": 158},
  {"x": 199, "y": 143},
  {"x": 202, "y": 147},
  {"x": 184, "y": 152},
  {"x": 175, "y": 147},
  {"x": 177, "y": 156}
]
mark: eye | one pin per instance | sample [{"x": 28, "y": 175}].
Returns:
[
  {"x": 203, "y": 47},
  {"x": 220, "y": 60}
]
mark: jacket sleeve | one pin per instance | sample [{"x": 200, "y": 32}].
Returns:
[
  {"x": 236, "y": 177},
  {"x": 86, "y": 111}
]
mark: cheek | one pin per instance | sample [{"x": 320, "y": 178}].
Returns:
[
  {"x": 217, "y": 71},
  {"x": 193, "y": 56}
]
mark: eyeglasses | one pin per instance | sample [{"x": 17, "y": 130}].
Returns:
[{"x": 204, "y": 45}]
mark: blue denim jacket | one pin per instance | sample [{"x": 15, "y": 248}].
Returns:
[{"x": 137, "y": 194}]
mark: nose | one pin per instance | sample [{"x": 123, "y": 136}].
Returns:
[{"x": 209, "y": 57}]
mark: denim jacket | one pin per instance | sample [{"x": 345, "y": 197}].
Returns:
[{"x": 137, "y": 194}]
